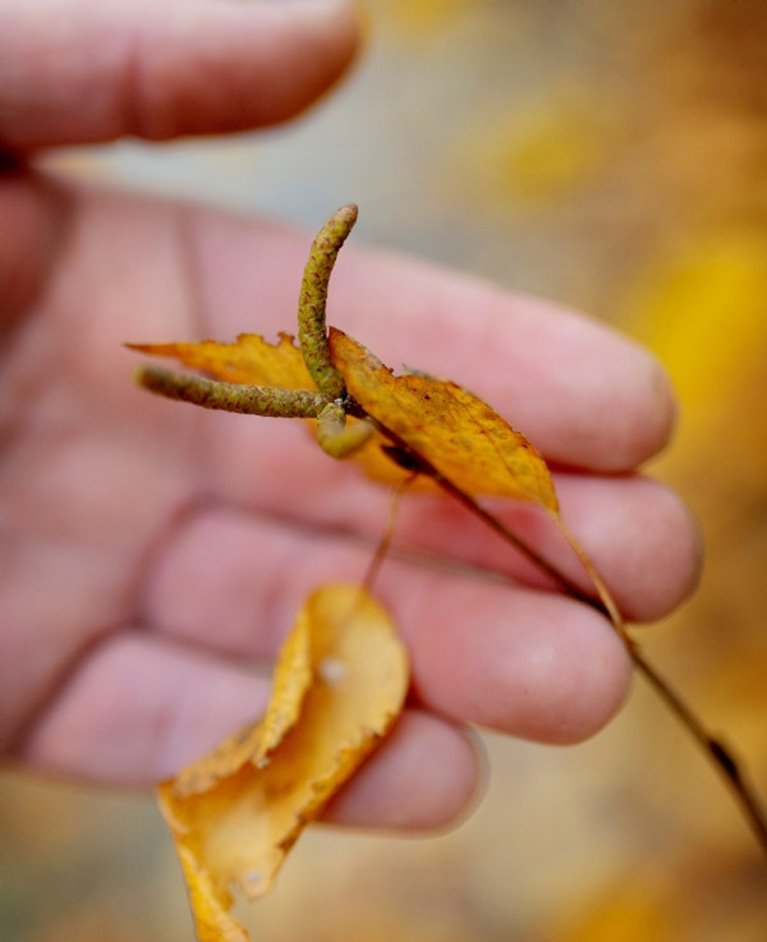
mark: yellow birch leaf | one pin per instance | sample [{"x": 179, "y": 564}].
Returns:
[
  {"x": 460, "y": 436},
  {"x": 457, "y": 433},
  {"x": 234, "y": 815},
  {"x": 249, "y": 360}
]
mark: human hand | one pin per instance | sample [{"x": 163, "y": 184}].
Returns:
[{"x": 151, "y": 552}]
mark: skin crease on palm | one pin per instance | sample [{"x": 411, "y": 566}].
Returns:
[{"x": 152, "y": 554}]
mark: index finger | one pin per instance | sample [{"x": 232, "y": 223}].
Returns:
[{"x": 79, "y": 71}]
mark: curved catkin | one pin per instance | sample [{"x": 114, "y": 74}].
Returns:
[
  {"x": 231, "y": 397},
  {"x": 312, "y": 332}
]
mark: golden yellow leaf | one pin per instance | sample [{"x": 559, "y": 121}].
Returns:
[
  {"x": 457, "y": 433},
  {"x": 339, "y": 685},
  {"x": 250, "y": 359}
]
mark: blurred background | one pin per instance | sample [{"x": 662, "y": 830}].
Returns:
[{"x": 612, "y": 156}]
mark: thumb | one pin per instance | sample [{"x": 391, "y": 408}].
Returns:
[{"x": 84, "y": 71}]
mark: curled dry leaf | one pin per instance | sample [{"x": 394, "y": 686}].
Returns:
[{"x": 339, "y": 685}]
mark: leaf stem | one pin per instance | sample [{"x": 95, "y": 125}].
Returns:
[
  {"x": 384, "y": 544},
  {"x": 403, "y": 455},
  {"x": 610, "y": 608},
  {"x": 717, "y": 752},
  {"x": 506, "y": 533}
]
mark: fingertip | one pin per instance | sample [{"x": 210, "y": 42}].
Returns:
[
  {"x": 425, "y": 776},
  {"x": 617, "y": 407},
  {"x": 234, "y": 67},
  {"x": 642, "y": 536},
  {"x": 569, "y": 681},
  {"x": 589, "y": 691},
  {"x": 649, "y": 424},
  {"x": 661, "y": 566},
  {"x": 187, "y": 67},
  {"x": 519, "y": 661}
]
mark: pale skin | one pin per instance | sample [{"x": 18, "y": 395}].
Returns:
[{"x": 151, "y": 551}]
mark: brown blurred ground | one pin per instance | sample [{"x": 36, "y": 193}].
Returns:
[{"x": 613, "y": 156}]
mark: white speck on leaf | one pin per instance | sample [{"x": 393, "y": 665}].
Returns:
[{"x": 332, "y": 670}]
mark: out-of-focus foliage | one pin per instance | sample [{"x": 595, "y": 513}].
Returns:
[
  {"x": 550, "y": 150},
  {"x": 417, "y": 20}
]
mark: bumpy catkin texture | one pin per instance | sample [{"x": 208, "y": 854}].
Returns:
[
  {"x": 312, "y": 332},
  {"x": 232, "y": 397}
]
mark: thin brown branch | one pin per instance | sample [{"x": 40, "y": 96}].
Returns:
[
  {"x": 715, "y": 751},
  {"x": 384, "y": 544},
  {"x": 409, "y": 460}
]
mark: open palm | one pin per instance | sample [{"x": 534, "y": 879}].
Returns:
[{"x": 153, "y": 555}]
